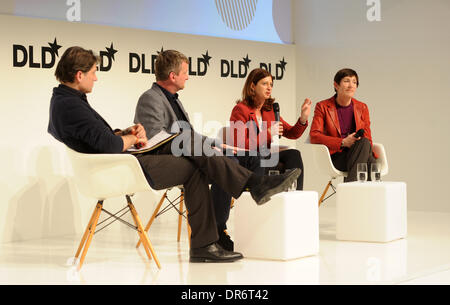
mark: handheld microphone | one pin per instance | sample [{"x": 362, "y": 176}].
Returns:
[
  {"x": 359, "y": 133},
  {"x": 276, "y": 110}
]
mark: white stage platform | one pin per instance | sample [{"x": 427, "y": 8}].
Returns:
[{"x": 422, "y": 258}]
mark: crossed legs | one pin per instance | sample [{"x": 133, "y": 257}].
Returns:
[
  {"x": 195, "y": 173},
  {"x": 360, "y": 152}
]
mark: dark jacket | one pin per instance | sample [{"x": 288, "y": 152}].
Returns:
[{"x": 75, "y": 123}]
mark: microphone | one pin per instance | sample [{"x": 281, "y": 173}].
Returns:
[
  {"x": 276, "y": 110},
  {"x": 359, "y": 133}
]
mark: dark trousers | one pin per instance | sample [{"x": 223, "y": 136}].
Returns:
[
  {"x": 163, "y": 170},
  {"x": 348, "y": 159},
  {"x": 222, "y": 199},
  {"x": 290, "y": 159}
]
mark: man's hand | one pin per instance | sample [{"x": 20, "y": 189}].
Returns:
[
  {"x": 139, "y": 131},
  {"x": 306, "y": 110},
  {"x": 134, "y": 135}
]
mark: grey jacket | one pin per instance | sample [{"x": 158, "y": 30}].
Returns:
[{"x": 155, "y": 113}]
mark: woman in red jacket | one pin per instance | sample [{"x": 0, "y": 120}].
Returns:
[
  {"x": 336, "y": 121},
  {"x": 255, "y": 110}
]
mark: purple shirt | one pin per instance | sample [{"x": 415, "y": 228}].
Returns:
[{"x": 346, "y": 119}]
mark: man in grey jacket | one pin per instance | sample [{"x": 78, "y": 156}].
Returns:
[{"x": 159, "y": 109}]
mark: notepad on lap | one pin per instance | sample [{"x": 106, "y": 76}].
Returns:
[{"x": 159, "y": 139}]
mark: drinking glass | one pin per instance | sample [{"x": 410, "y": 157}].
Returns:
[
  {"x": 293, "y": 186},
  {"x": 361, "y": 172},
  {"x": 375, "y": 174}
]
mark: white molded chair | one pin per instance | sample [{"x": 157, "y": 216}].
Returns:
[
  {"x": 103, "y": 176},
  {"x": 323, "y": 162}
]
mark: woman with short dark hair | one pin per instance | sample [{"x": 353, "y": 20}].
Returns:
[{"x": 336, "y": 122}]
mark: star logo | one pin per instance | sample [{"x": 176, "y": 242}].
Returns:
[
  {"x": 111, "y": 51},
  {"x": 247, "y": 61},
  {"x": 206, "y": 57},
  {"x": 283, "y": 64},
  {"x": 55, "y": 47}
]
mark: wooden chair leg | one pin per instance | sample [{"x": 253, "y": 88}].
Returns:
[
  {"x": 180, "y": 216},
  {"x": 180, "y": 219},
  {"x": 188, "y": 228},
  {"x": 147, "y": 227},
  {"x": 88, "y": 234},
  {"x": 324, "y": 193},
  {"x": 142, "y": 233}
]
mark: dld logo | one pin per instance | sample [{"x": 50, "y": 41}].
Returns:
[
  {"x": 29, "y": 56},
  {"x": 228, "y": 68},
  {"x": 139, "y": 63},
  {"x": 279, "y": 69},
  {"x": 23, "y": 55},
  {"x": 107, "y": 58}
]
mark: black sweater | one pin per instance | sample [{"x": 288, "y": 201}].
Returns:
[{"x": 75, "y": 123}]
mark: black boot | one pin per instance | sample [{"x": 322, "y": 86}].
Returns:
[{"x": 271, "y": 185}]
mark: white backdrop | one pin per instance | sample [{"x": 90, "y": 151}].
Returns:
[{"x": 37, "y": 196}]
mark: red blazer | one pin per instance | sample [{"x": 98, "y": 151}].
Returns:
[
  {"x": 325, "y": 128},
  {"x": 243, "y": 113}
]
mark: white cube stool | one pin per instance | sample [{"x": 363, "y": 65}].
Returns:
[
  {"x": 371, "y": 211},
  {"x": 284, "y": 228}
]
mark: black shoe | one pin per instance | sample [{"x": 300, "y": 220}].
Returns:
[
  {"x": 271, "y": 185},
  {"x": 213, "y": 253},
  {"x": 225, "y": 241}
]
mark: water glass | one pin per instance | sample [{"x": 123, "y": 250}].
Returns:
[
  {"x": 293, "y": 186},
  {"x": 375, "y": 173},
  {"x": 361, "y": 172}
]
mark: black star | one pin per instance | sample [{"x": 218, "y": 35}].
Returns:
[
  {"x": 162, "y": 50},
  {"x": 283, "y": 64},
  {"x": 246, "y": 61},
  {"x": 206, "y": 57},
  {"x": 111, "y": 51},
  {"x": 55, "y": 47}
]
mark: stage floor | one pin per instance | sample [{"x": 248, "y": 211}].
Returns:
[{"x": 422, "y": 258}]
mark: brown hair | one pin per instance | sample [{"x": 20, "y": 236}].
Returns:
[
  {"x": 248, "y": 93},
  {"x": 168, "y": 61},
  {"x": 73, "y": 60},
  {"x": 344, "y": 73}
]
